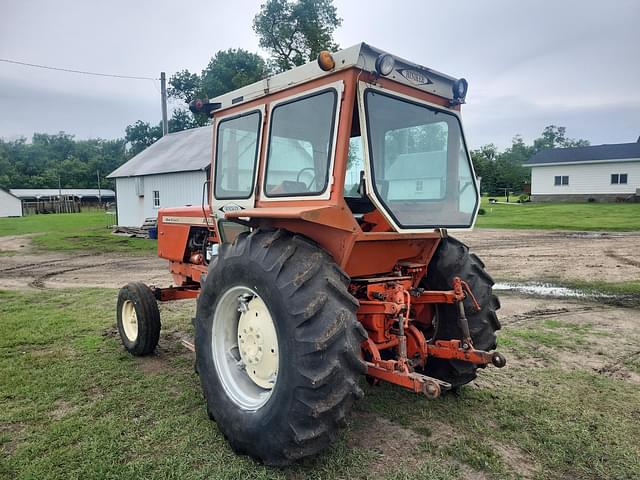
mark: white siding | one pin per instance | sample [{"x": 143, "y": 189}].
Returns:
[
  {"x": 176, "y": 190},
  {"x": 585, "y": 178},
  {"x": 10, "y": 206}
]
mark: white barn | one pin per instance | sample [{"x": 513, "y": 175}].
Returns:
[
  {"x": 169, "y": 173},
  {"x": 10, "y": 205},
  {"x": 595, "y": 173}
]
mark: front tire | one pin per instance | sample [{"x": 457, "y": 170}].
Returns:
[
  {"x": 138, "y": 319},
  {"x": 318, "y": 338}
]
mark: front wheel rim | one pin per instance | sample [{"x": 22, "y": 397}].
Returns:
[
  {"x": 130, "y": 320},
  {"x": 244, "y": 346}
]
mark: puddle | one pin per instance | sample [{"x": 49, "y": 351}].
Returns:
[
  {"x": 554, "y": 291},
  {"x": 546, "y": 290}
]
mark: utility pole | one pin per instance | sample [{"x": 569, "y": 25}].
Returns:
[
  {"x": 99, "y": 192},
  {"x": 163, "y": 90},
  {"x": 59, "y": 194}
]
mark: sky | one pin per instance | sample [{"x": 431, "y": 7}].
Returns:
[{"x": 529, "y": 64}]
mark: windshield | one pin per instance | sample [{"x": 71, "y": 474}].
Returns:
[{"x": 420, "y": 168}]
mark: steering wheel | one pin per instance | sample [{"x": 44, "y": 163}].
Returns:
[{"x": 313, "y": 177}]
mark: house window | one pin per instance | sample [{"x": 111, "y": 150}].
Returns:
[
  {"x": 419, "y": 186},
  {"x": 156, "y": 199},
  {"x": 618, "y": 179},
  {"x": 561, "y": 180}
]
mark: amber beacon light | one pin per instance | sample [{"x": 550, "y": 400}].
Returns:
[{"x": 326, "y": 61}]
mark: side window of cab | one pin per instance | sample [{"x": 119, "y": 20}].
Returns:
[
  {"x": 237, "y": 140},
  {"x": 300, "y": 145}
]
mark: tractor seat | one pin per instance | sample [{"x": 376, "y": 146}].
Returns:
[{"x": 359, "y": 205}]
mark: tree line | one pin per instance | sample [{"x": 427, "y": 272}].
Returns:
[
  {"x": 293, "y": 32},
  {"x": 503, "y": 170}
]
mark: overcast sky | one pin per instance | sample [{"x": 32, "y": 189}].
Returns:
[{"x": 529, "y": 63}]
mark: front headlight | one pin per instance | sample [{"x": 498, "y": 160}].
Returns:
[
  {"x": 460, "y": 87},
  {"x": 385, "y": 64}
]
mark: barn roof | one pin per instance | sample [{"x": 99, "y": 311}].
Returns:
[
  {"x": 9, "y": 193},
  {"x": 24, "y": 193},
  {"x": 594, "y": 153},
  {"x": 185, "y": 151}
]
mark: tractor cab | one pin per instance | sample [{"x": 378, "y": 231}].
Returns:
[{"x": 359, "y": 127}]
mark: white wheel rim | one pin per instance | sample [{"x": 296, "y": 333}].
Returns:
[
  {"x": 130, "y": 320},
  {"x": 244, "y": 346}
]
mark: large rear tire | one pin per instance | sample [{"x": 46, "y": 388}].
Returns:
[
  {"x": 293, "y": 285},
  {"x": 453, "y": 259}
]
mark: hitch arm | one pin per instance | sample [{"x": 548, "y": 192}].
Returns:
[{"x": 453, "y": 350}]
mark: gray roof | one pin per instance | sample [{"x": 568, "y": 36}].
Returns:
[
  {"x": 594, "y": 153},
  {"x": 8, "y": 193},
  {"x": 185, "y": 151},
  {"x": 54, "y": 192}
]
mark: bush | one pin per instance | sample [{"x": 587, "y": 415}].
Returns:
[{"x": 482, "y": 211}]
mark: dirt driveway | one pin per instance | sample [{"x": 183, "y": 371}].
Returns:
[
  {"x": 21, "y": 268},
  {"x": 523, "y": 255},
  {"x": 539, "y": 255}
]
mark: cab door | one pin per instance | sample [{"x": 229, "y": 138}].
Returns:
[{"x": 237, "y": 139}]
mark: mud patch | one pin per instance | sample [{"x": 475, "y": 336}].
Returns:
[
  {"x": 526, "y": 255},
  {"x": 62, "y": 408},
  {"x": 16, "y": 243},
  {"x": 517, "y": 460},
  {"x": 15, "y": 433},
  {"x": 153, "y": 365},
  {"x": 392, "y": 443}
]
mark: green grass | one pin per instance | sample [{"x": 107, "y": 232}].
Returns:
[
  {"x": 75, "y": 405},
  {"x": 74, "y": 231},
  {"x": 561, "y": 216}
]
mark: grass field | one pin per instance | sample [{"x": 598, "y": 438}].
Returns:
[
  {"x": 74, "y": 231},
  {"x": 75, "y": 405},
  {"x": 561, "y": 216}
]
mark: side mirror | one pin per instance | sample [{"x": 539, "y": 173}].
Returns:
[{"x": 203, "y": 106}]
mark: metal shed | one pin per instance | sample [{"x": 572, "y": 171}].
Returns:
[{"x": 169, "y": 173}]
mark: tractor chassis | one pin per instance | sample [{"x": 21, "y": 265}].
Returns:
[{"x": 396, "y": 314}]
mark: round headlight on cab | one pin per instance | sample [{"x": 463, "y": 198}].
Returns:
[
  {"x": 385, "y": 64},
  {"x": 460, "y": 87},
  {"x": 326, "y": 61}
]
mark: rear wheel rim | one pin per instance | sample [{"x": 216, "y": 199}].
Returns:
[
  {"x": 130, "y": 320},
  {"x": 244, "y": 346}
]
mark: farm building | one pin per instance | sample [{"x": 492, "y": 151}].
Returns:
[
  {"x": 82, "y": 195},
  {"x": 10, "y": 205},
  {"x": 596, "y": 173},
  {"x": 169, "y": 173}
]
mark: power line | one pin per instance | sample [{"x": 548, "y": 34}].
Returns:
[{"x": 68, "y": 70}]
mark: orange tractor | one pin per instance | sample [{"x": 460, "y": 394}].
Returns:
[{"x": 320, "y": 252}]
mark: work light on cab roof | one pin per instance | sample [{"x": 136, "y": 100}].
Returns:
[{"x": 322, "y": 251}]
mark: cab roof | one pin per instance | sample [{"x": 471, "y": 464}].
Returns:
[{"x": 362, "y": 56}]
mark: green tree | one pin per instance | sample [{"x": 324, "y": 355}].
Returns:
[
  {"x": 555, "y": 137},
  {"x": 140, "y": 135},
  {"x": 47, "y": 158},
  {"x": 295, "y": 32},
  {"x": 227, "y": 70}
]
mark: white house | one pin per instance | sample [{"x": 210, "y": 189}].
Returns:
[
  {"x": 169, "y": 173},
  {"x": 10, "y": 205},
  {"x": 594, "y": 173}
]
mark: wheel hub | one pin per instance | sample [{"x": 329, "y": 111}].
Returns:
[
  {"x": 258, "y": 342},
  {"x": 130, "y": 320}
]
